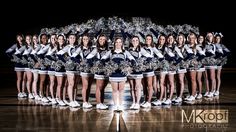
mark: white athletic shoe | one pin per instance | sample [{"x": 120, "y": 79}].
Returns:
[{"x": 87, "y": 105}]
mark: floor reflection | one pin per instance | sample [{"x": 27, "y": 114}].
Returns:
[{"x": 29, "y": 115}]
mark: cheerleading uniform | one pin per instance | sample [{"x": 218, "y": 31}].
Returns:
[
  {"x": 69, "y": 49},
  {"x": 17, "y": 52},
  {"x": 98, "y": 55},
  {"x": 148, "y": 72},
  {"x": 200, "y": 56},
  {"x": 117, "y": 57},
  {"x": 210, "y": 56},
  {"x": 83, "y": 53},
  {"x": 41, "y": 55}
]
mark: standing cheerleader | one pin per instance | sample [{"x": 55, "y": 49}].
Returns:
[
  {"x": 87, "y": 77},
  {"x": 14, "y": 52},
  {"x": 35, "y": 66},
  {"x": 28, "y": 72},
  {"x": 148, "y": 74},
  {"x": 60, "y": 73},
  {"x": 135, "y": 77},
  {"x": 43, "y": 68},
  {"x": 50, "y": 59},
  {"x": 170, "y": 57},
  {"x": 210, "y": 65},
  {"x": 162, "y": 70},
  {"x": 70, "y": 67},
  {"x": 101, "y": 79},
  {"x": 181, "y": 68},
  {"x": 201, "y": 55},
  {"x": 117, "y": 78},
  {"x": 221, "y": 56},
  {"x": 193, "y": 66}
]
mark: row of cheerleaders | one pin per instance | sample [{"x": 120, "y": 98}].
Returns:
[{"x": 57, "y": 63}]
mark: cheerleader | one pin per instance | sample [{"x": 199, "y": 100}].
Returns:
[
  {"x": 72, "y": 74},
  {"x": 50, "y": 58},
  {"x": 210, "y": 65},
  {"x": 148, "y": 74},
  {"x": 35, "y": 65},
  {"x": 170, "y": 57},
  {"x": 181, "y": 68},
  {"x": 161, "y": 71},
  {"x": 14, "y": 52},
  {"x": 193, "y": 66},
  {"x": 28, "y": 72},
  {"x": 101, "y": 79},
  {"x": 60, "y": 73},
  {"x": 87, "y": 77},
  {"x": 117, "y": 77},
  {"x": 43, "y": 68},
  {"x": 200, "y": 47},
  {"x": 135, "y": 77},
  {"x": 221, "y": 55}
]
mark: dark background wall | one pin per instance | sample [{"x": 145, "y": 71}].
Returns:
[{"x": 17, "y": 19}]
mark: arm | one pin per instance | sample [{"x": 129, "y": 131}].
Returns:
[
  {"x": 157, "y": 52},
  {"x": 145, "y": 53},
  {"x": 92, "y": 54},
  {"x": 11, "y": 49},
  {"x": 77, "y": 52},
  {"x": 36, "y": 50},
  {"x": 27, "y": 51},
  {"x": 43, "y": 50},
  {"x": 106, "y": 56},
  {"x": 63, "y": 51},
  {"x": 20, "y": 51}
]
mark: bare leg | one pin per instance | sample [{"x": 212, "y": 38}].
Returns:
[
  {"x": 35, "y": 81},
  {"x": 18, "y": 81},
  {"x": 162, "y": 85},
  {"x": 132, "y": 90},
  {"x": 193, "y": 82},
  {"x": 150, "y": 88},
  {"x": 121, "y": 86},
  {"x": 29, "y": 81},
  {"x": 172, "y": 86},
  {"x": 138, "y": 90},
  {"x": 218, "y": 79},
  {"x": 52, "y": 81},
  {"x": 59, "y": 86},
  {"x": 199, "y": 82},
  {"x": 70, "y": 79},
  {"x": 115, "y": 92},
  {"x": 41, "y": 84}
]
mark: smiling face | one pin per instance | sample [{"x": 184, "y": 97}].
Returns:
[
  {"x": 102, "y": 40},
  {"x": 180, "y": 40},
  {"x": 85, "y": 40},
  {"x": 162, "y": 40},
  {"x": 170, "y": 40},
  {"x": 19, "y": 38},
  {"x": 210, "y": 37},
  {"x": 200, "y": 39},
  {"x": 28, "y": 40},
  {"x": 192, "y": 39},
  {"x": 135, "y": 42},
  {"x": 53, "y": 39},
  {"x": 218, "y": 38},
  {"x": 44, "y": 39},
  {"x": 61, "y": 40},
  {"x": 72, "y": 39},
  {"x": 35, "y": 39},
  {"x": 148, "y": 40},
  {"x": 118, "y": 44}
]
